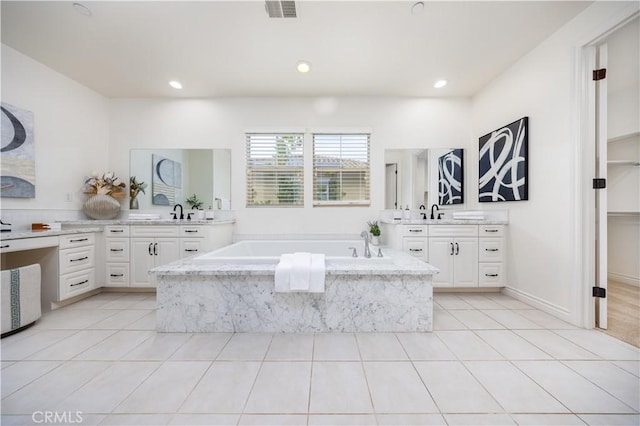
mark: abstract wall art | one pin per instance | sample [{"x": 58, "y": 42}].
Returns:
[
  {"x": 450, "y": 178},
  {"x": 18, "y": 166},
  {"x": 166, "y": 181},
  {"x": 503, "y": 168}
]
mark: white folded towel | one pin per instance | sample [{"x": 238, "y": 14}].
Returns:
[
  {"x": 469, "y": 214},
  {"x": 300, "y": 272}
]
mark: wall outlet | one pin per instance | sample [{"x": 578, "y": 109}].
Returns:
[{"x": 68, "y": 197}]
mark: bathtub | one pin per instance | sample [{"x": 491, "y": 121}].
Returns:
[
  {"x": 232, "y": 289},
  {"x": 269, "y": 252}
]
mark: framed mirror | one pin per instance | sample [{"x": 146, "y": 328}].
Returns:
[
  {"x": 171, "y": 176},
  {"x": 415, "y": 177}
]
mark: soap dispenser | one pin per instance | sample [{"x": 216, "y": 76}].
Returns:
[
  {"x": 407, "y": 213},
  {"x": 209, "y": 214}
]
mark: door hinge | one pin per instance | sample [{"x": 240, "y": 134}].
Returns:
[
  {"x": 599, "y": 292},
  {"x": 600, "y": 74},
  {"x": 599, "y": 183}
]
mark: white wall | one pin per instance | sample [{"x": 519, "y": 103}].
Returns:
[
  {"x": 71, "y": 131},
  {"x": 540, "y": 242},
  {"x": 221, "y": 123}
]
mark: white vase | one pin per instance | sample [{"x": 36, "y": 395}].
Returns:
[
  {"x": 375, "y": 240},
  {"x": 101, "y": 207}
]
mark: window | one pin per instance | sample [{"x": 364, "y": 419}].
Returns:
[
  {"x": 340, "y": 169},
  {"x": 275, "y": 170}
]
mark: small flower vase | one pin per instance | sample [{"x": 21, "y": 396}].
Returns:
[
  {"x": 133, "y": 203},
  {"x": 375, "y": 240},
  {"x": 101, "y": 207}
]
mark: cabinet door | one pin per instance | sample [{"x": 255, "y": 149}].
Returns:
[
  {"x": 167, "y": 250},
  {"x": 142, "y": 259},
  {"x": 465, "y": 261},
  {"x": 441, "y": 256}
]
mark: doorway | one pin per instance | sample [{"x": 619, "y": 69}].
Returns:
[{"x": 617, "y": 158}]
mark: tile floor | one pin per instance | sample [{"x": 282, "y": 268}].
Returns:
[{"x": 491, "y": 360}]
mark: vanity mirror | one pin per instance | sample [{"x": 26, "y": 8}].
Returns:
[
  {"x": 173, "y": 175},
  {"x": 415, "y": 177}
]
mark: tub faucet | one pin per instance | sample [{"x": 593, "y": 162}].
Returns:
[
  {"x": 365, "y": 235},
  {"x": 181, "y": 212},
  {"x": 432, "y": 207}
]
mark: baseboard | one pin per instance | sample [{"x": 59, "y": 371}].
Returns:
[
  {"x": 625, "y": 279},
  {"x": 539, "y": 303}
]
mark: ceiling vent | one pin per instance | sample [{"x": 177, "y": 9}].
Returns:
[{"x": 281, "y": 8}]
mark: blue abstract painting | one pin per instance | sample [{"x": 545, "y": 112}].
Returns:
[{"x": 450, "y": 178}]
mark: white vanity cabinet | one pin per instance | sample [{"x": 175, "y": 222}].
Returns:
[
  {"x": 152, "y": 246},
  {"x": 77, "y": 261},
  {"x": 454, "y": 250},
  {"x": 492, "y": 256},
  {"x": 411, "y": 239}
]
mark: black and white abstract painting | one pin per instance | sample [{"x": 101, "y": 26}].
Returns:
[
  {"x": 450, "y": 178},
  {"x": 17, "y": 160},
  {"x": 503, "y": 165},
  {"x": 166, "y": 181}
]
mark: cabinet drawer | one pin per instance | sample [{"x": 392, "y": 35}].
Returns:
[
  {"x": 76, "y": 283},
  {"x": 414, "y": 230},
  {"x": 191, "y": 231},
  {"x": 117, "y": 275},
  {"x": 190, "y": 247},
  {"x": 117, "y": 250},
  {"x": 416, "y": 247},
  {"x": 453, "y": 231},
  {"x": 116, "y": 231},
  {"x": 491, "y": 275},
  {"x": 155, "y": 231},
  {"x": 491, "y": 249},
  {"x": 76, "y": 240},
  {"x": 72, "y": 260},
  {"x": 491, "y": 230}
]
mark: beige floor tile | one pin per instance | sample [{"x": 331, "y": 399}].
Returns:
[
  {"x": 273, "y": 419},
  {"x": 224, "y": 388},
  {"x": 147, "y": 322},
  {"x": 466, "y": 345},
  {"x": 547, "y": 420},
  {"x": 205, "y": 419},
  {"x": 476, "y": 320},
  {"x": 512, "y": 319},
  {"x": 166, "y": 389},
  {"x": 119, "y": 321},
  {"x": 601, "y": 344},
  {"x": 246, "y": 347},
  {"x": 22, "y": 373},
  {"x": 158, "y": 347},
  {"x": 339, "y": 387},
  {"x": 335, "y": 347},
  {"x": 425, "y": 347},
  {"x": 410, "y": 419},
  {"x": 202, "y": 347},
  {"x": 380, "y": 347},
  {"x": 512, "y": 346},
  {"x": 450, "y": 301},
  {"x": 73, "y": 345},
  {"x": 443, "y": 320},
  {"x": 115, "y": 346},
  {"x": 282, "y": 388},
  {"x": 396, "y": 387},
  {"x": 137, "y": 419},
  {"x": 611, "y": 419},
  {"x": 556, "y": 346},
  {"x": 545, "y": 320},
  {"x": 342, "y": 420},
  {"x": 17, "y": 348},
  {"x": 291, "y": 347},
  {"x": 478, "y": 419}
]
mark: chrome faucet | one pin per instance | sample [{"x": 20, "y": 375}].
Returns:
[
  {"x": 365, "y": 235},
  {"x": 181, "y": 212},
  {"x": 436, "y": 207}
]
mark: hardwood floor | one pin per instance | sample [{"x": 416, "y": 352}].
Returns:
[{"x": 624, "y": 312}]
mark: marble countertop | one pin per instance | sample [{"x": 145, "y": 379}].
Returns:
[
  {"x": 400, "y": 264},
  {"x": 444, "y": 222},
  {"x": 6, "y": 236},
  {"x": 147, "y": 222}
]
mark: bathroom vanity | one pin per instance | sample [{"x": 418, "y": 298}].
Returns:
[{"x": 468, "y": 253}]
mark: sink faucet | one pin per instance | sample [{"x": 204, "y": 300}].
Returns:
[
  {"x": 365, "y": 235},
  {"x": 181, "y": 212},
  {"x": 436, "y": 207},
  {"x": 424, "y": 214}
]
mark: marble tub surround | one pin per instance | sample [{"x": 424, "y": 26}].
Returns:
[{"x": 359, "y": 296}]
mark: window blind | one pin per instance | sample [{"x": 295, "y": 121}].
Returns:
[
  {"x": 341, "y": 169},
  {"x": 275, "y": 170}
]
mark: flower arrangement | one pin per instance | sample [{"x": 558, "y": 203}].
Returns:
[
  {"x": 136, "y": 187},
  {"x": 107, "y": 184},
  {"x": 374, "y": 228}
]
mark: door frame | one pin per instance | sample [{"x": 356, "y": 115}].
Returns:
[{"x": 584, "y": 148}]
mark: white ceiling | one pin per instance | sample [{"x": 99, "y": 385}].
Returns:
[{"x": 216, "y": 48}]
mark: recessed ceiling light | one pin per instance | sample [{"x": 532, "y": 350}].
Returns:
[
  {"x": 303, "y": 67},
  {"x": 417, "y": 8},
  {"x": 175, "y": 84},
  {"x": 440, "y": 83},
  {"x": 82, "y": 9}
]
